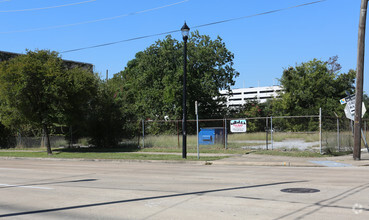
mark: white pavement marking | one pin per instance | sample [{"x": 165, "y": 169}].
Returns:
[
  {"x": 12, "y": 169},
  {"x": 31, "y": 187}
]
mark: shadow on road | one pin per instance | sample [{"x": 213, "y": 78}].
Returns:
[{"x": 146, "y": 198}]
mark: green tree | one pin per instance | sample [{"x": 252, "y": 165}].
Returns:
[
  {"x": 105, "y": 120},
  {"x": 151, "y": 84},
  {"x": 252, "y": 109},
  {"x": 313, "y": 85},
  {"x": 81, "y": 87},
  {"x": 38, "y": 89},
  {"x": 7, "y": 138}
]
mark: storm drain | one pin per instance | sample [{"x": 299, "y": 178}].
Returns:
[{"x": 300, "y": 190}]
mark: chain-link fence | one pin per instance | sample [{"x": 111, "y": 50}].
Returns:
[
  {"x": 35, "y": 138},
  {"x": 308, "y": 133}
]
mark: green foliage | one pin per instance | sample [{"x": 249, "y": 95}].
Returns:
[
  {"x": 7, "y": 138},
  {"x": 310, "y": 86},
  {"x": 81, "y": 86},
  {"x": 151, "y": 84},
  {"x": 105, "y": 121},
  {"x": 38, "y": 90},
  {"x": 30, "y": 85},
  {"x": 252, "y": 109},
  {"x": 32, "y": 88}
]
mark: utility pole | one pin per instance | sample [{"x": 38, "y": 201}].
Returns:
[
  {"x": 359, "y": 80},
  {"x": 185, "y": 32}
]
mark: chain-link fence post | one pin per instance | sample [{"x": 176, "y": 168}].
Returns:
[
  {"x": 266, "y": 132},
  {"x": 225, "y": 134},
  {"x": 271, "y": 130},
  {"x": 143, "y": 133},
  {"x": 320, "y": 130},
  {"x": 338, "y": 135}
]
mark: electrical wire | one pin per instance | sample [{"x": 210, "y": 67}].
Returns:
[
  {"x": 50, "y": 7},
  {"x": 197, "y": 26},
  {"x": 263, "y": 13},
  {"x": 97, "y": 20}
]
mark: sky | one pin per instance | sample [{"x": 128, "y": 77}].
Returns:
[{"x": 263, "y": 45}]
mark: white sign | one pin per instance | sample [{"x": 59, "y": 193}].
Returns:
[
  {"x": 238, "y": 126},
  {"x": 350, "y": 111}
]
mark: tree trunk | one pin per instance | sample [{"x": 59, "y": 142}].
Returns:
[{"x": 48, "y": 147}]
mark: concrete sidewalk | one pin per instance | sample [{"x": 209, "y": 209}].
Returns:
[
  {"x": 268, "y": 160},
  {"x": 246, "y": 160}
]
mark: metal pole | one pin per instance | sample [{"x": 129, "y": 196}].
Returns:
[
  {"x": 359, "y": 80},
  {"x": 184, "y": 122},
  {"x": 197, "y": 130},
  {"x": 365, "y": 128},
  {"x": 225, "y": 133},
  {"x": 177, "y": 133},
  {"x": 266, "y": 131},
  {"x": 271, "y": 130},
  {"x": 143, "y": 133},
  {"x": 338, "y": 135},
  {"x": 320, "y": 130},
  {"x": 364, "y": 139},
  {"x": 71, "y": 135},
  {"x": 352, "y": 127}
]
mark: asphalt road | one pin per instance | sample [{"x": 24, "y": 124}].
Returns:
[{"x": 69, "y": 189}]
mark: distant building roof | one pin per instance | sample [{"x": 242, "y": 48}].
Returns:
[{"x": 5, "y": 55}]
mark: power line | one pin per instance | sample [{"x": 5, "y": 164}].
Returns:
[
  {"x": 263, "y": 13},
  {"x": 198, "y": 26},
  {"x": 97, "y": 20},
  {"x": 50, "y": 7}
]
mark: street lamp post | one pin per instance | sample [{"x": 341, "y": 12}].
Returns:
[{"x": 185, "y": 32}]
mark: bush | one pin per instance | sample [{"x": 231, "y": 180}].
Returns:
[{"x": 7, "y": 139}]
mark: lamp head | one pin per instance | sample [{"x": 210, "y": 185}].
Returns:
[{"x": 185, "y": 31}]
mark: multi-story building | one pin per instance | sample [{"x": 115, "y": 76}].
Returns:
[{"x": 238, "y": 97}]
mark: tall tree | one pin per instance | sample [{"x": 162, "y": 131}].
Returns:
[
  {"x": 152, "y": 82},
  {"x": 38, "y": 89},
  {"x": 313, "y": 85}
]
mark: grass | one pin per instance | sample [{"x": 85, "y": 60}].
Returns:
[
  {"x": 277, "y": 136},
  {"x": 234, "y": 140},
  {"x": 171, "y": 144},
  {"x": 297, "y": 153},
  {"x": 105, "y": 155},
  {"x": 203, "y": 149},
  {"x": 133, "y": 153},
  {"x": 291, "y": 153}
]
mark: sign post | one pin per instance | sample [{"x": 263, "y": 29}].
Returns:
[
  {"x": 197, "y": 129},
  {"x": 350, "y": 102}
]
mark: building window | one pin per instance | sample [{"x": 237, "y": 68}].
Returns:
[
  {"x": 236, "y": 93},
  {"x": 267, "y": 91},
  {"x": 245, "y": 93}
]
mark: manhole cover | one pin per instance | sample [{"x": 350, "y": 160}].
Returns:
[{"x": 300, "y": 190}]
